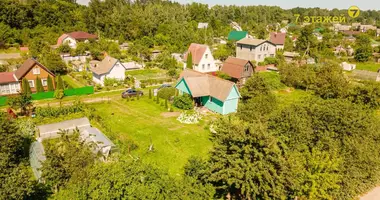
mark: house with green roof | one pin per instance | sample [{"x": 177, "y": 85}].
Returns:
[{"x": 237, "y": 35}]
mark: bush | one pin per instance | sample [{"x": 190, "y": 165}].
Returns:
[
  {"x": 184, "y": 102},
  {"x": 166, "y": 93},
  {"x": 143, "y": 85},
  {"x": 112, "y": 82}
]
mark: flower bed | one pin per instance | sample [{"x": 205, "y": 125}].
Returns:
[{"x": 190, "y": 117}]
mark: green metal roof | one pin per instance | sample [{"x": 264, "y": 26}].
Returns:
[{"x": 237, "y": 35}]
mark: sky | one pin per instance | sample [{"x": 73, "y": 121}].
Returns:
[{"x": 330, "y": 4}]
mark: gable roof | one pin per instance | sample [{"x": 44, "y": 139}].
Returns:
[
  {"x": 206, "y": 85},
  {"x": 27, "y": 66},
  {"x": 197, "y": 51},
  {"x": 78, "y": 35},
  {"x": 253, "y": 42},
  {"x": 234, "y": 67},
  {"x": 7, "y": 77},
  {"x": 277, "y": 38},
  {"x": 105, "y": 65},
  {"x": 237, "y": 35}
]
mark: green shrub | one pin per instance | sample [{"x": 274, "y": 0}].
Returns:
[
  {"x": 184, "y": 102},
  {"x": 112, "y": 82},
  {"x": 166, "y": 93},
  {"x": 150, "y": 93},
  {"x": 143, "y": 85},
  {"x": 166, "y": 103},
  {"x": 157, "y": 100}
]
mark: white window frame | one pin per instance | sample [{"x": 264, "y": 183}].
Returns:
[
  {"x": 42, "y": 80},
  {"x": 36, "y": 70},
  {"x": 31, "y": 85},
  {"x": 203, "y": 66}
]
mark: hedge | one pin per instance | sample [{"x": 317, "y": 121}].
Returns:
[{"x": 3, "y": 101}]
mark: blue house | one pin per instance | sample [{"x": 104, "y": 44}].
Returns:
[{"x": 212, "y": 92}]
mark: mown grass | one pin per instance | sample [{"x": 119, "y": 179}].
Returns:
[
  {"x": 370, "y": 66},
  {"x": 72, "y": 82},
  {"x": 141, "y": 121}
]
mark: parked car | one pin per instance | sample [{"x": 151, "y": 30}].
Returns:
[{"x": 131, "y": 93}]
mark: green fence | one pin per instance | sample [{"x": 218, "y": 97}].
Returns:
[
  {"x": 3, "y": 101},
  {"x": 42, "y": 95},
  {"x": 79, "y": 91}
]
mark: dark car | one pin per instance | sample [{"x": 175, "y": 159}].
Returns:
[
  {"x": 164, "y": 86},
  {"x": 131, "y": 93}
]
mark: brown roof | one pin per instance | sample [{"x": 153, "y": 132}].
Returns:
[
  {"x": 277, "y": 38},
  {"x": 197, "y": 51},
  {"x": 27, "y": 66},
  {"x": 261, "y": 68},
  {"x": 206, "y": 85},
  {"x": 104, "y": 66},
  {"x": 351, "y": 32},
  {"x": 78, "y": 35},
  {"x": 234, "y": 67},
  {"x": 7, "y": 77}
]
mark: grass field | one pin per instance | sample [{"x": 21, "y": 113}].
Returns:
[
  {"x": 147, "y": 73},
  {"x": 285, "y": 98},
  {"x": 142, "y": 122},
  {"x": 370, "y": 66}
]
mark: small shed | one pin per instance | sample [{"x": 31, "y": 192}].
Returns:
[
  {"x": 102, "y": 145},
  {"x": 347, "y": 66},
  {"x": 50, "y": 131}
]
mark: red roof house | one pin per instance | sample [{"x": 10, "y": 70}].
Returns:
[
  {"x": 74, "y": 37},
  {"x": 239, "y": 69},
  {"x": 278, "y": 39},
  {"x": 202, "y": 58}
]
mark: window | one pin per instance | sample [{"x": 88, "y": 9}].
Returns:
[
  {"x": 241, "y": 47},
  {"x": 210, "y": 99},
  {"x": 259, "y": 57},
  {"x": 267, "y": 48},
  {"x": 31, "y": 83},
  {"x": 250, "y": 48},
  {"x": 246, "y": 68},
  {"x": 208, "y": 66},
  {"x": 261, "y": 48},
  {"x": 36, "y": 70},
  {"x": 44, "y": 82},
  {"x": 203, "y": 66},
  {"x": 271, "y": 55},
  {"x": 206, "y": 55}
]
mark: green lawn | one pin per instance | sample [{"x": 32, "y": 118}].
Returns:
[
  {"x": 370, "y": 66},
  {"x": 147, "y": 73},
  {"x": 141, "y": 121},
  {"x": 285, "y": 98},
  {"x": 72, "y": 82}
]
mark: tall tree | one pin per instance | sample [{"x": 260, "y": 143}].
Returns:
[
  {"x": 26, "y": 87},
  {"x": 50, "y": 84},
  {"x": 189, "y": 61},
  {"x": 39, "y": 86}
]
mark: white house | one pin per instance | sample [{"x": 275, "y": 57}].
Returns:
[
  {"x": 203, "y": 61},
  {"x": 255, "y": 49},
  {"x": 74, "y": 37},
  {"x": 108, "y": 68}
]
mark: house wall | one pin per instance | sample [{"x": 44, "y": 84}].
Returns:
[
  {"x": 99, "y": 79},
  {"x": 182, "y": 87},
  {"x": 257, "y": 53},
  {"x": 279, "y": 47},
  {"x": 9, "y": 88},
  {"x": 212, "y": 104},
  {"x": 117, "y": 72},
  {"x": 43, "y": 75},
  {"x": 232, "y": 101},
  {"x": 207, "y": 63},
  {"x": 70, "y": 41}
]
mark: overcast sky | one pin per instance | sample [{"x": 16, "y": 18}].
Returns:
[{"x": 330, "y": 4}]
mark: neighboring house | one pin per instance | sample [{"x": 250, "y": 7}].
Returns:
[
  {"x": 278, "y": 39},
  {"x": 340, "y": 49},
  {"x": 203, "y": 61},
  {"x": 355, "y": 25},
  {"x": 365, "y": 28},
  {"x": 66, "y": 57},
  {"x": 108, "y": 68},
  {"x": 212, "y": 92},
  {"x": 255, "y": 49},
  {"x": 177, "y": 56},
  {"x": 237, "y": 68},
  {"x": 347, "y": 66},
  {"x": 10, "y": 82},
  {"x": 132, "y": 65},
  {"x": 235, "y": 26},
  {"x": 290, "y": 56},
  {"x": 237, "y": 35},
  {"x": 74, "y": 37},
  {"x": 340, "y": 27}
]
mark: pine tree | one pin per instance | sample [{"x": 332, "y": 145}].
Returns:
[
  {"x": 150, "y": 93},
  {"x": 50, "y": 84},
  {"x": 26, "y": 87},
  {"x": 60, "y": 85},
  {"x": 189, "y": 61},
  {"x": 39, "y": 86},
  {"x": 59, "y": 89}
]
